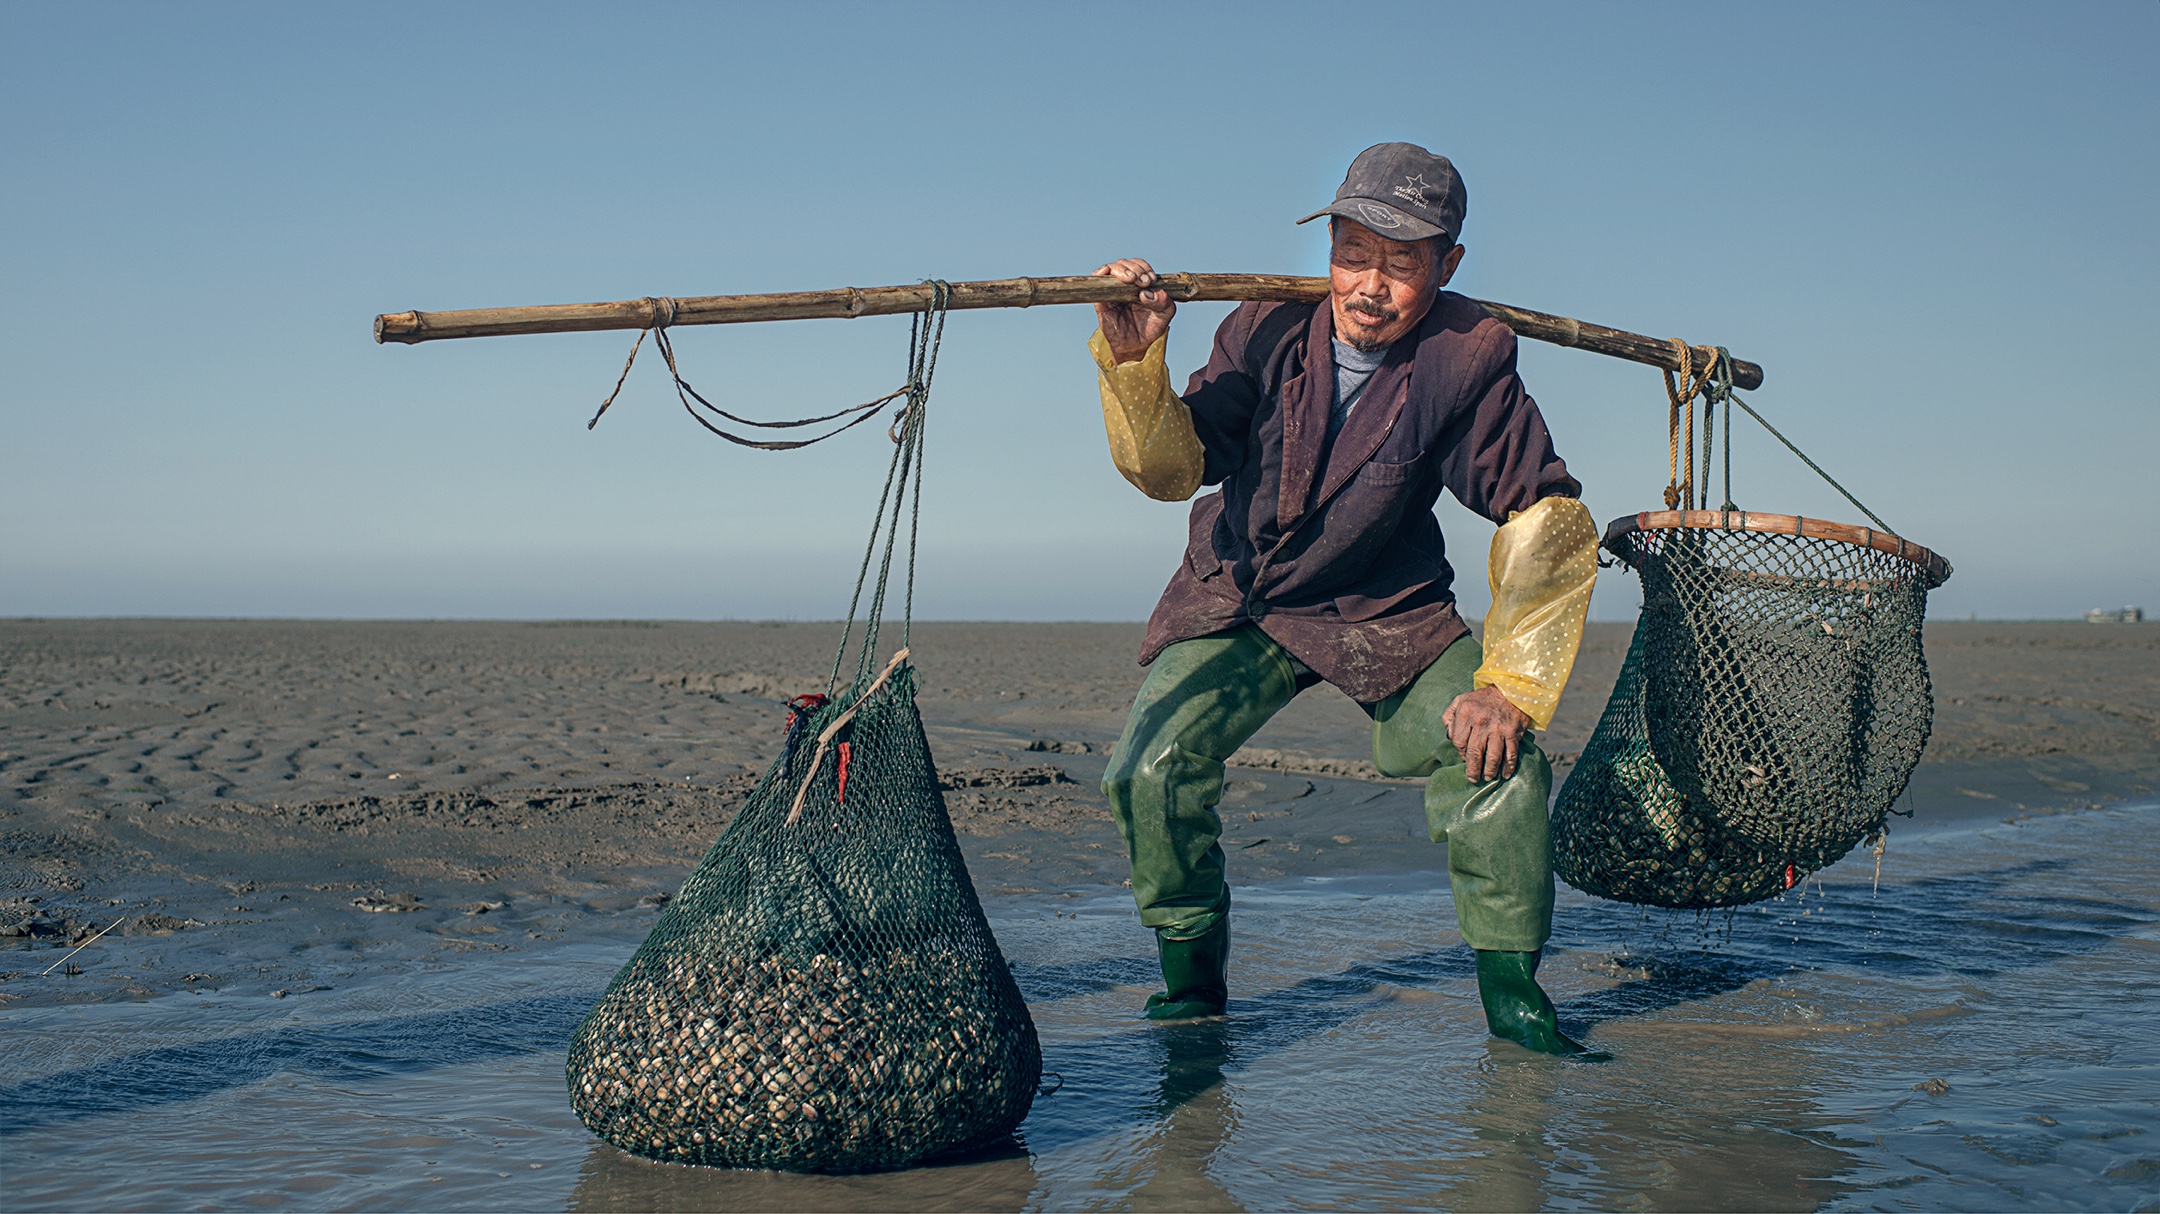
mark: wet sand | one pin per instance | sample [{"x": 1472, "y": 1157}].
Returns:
[
  {"x": 461, "y": 763},
  {"x": 301, "y": 820}
]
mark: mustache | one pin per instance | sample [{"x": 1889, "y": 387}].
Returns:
[{"x": 1373, "y": 309}]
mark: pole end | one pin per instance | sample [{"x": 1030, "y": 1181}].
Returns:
[{"x": 400, "y": 327}]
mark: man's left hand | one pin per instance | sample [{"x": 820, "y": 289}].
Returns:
[{"x": 1488, "y": 731}]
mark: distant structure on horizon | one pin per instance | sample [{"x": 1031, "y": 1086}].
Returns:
[{"x": 2128, "y": 615}]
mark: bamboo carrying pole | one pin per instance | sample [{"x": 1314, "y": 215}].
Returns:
[{"x": 848, "y": 302}]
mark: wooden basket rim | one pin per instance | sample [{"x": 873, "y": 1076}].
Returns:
[{"x": 1932, "y": 564}]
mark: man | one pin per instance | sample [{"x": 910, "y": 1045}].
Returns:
[{"x": 1331, "y": 429}]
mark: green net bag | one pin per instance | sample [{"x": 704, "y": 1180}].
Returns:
[
  {"x": 824, "y": 994},
  {"x": 1773, "y": 704}
]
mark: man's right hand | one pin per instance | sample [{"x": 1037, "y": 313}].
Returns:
[
  {"x": 1131, "y": 328},
  {"x": 1487, "y": 731}
]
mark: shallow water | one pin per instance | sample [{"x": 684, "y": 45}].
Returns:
[{"x": 1766, "y": 1061}]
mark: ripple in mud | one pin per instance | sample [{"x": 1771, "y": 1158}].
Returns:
[
  {"x": 512, "y": 810},
  {"x": 48, "y": 862}
]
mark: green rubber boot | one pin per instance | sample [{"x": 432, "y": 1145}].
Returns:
[
  {"x": 1194, "y": 975},
  {"x": 1517, "y": 1008}
]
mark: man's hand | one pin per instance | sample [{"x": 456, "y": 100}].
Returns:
[
  {"x": 1488, "y": 730},
  {"x": 1131, "y": 328}
]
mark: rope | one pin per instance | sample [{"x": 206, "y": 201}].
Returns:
[
  {"x": 1681, "y": 486},
  {"x": 1709, "y": 435},
  {"x": 1872, "y": 516},
  {"x": 663, "y": 315},
  {"x": 862, "y": 575},
  {"x": 922, "y": 415},
  {"x": 903, "y": 477},
  {"x": 684, "y": 392},
  {"x": 663, "y": 312},
  {"x": 1723, "y": 388},
  {"x": 922, "y": 366},
  {"x": 826, "y": 735},
  {"x": 1672, "y": 427},
  {"x": 1687, "y": 487},
  {"x": 1714, "y": 385},
  {"x": 634, "y": 346}
]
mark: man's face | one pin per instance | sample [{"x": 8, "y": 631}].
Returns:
[{"x": 1383, "y": 287}]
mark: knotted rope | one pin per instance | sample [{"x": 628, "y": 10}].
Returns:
[
  {"x": 1714, "y": 384},
  {"x": 1680, "y": 488}
]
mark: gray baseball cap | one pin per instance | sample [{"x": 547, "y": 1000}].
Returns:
[{"x": 1402, "y": 192}]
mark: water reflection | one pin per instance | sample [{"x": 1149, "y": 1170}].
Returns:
[
  {"x": 615, "y": 1180},
  {"x": 1189, "y": 1120},
  {"x": 1737, "y": 1130},
  {"x": 1765, "y": 1062},
  {"x": 344, "y": 1051}
]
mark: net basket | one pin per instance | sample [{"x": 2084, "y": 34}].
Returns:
[
  {"x": 824, "y": 995},
  {"x": 1773, "y": 704}
]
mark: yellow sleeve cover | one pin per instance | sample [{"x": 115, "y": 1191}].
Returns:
[
  {"x": 1542, "y": 568},
  {"x": 1152, "y": 440}
]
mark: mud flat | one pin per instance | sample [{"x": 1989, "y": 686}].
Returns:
[
  {"x": 362, "y": 880},
  {"x": 194, "y": 773}
]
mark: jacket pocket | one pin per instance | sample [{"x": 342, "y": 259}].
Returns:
[
  {"x": 1200, "y": 548},
  {"x": 1203, "y": 565},
  {"x": 1382, "y": 474}
]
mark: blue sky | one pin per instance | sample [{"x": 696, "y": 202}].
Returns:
[{"x": 1932, "y": 223}]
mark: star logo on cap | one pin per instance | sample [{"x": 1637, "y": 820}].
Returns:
[{"x": 1414, "y": 189}]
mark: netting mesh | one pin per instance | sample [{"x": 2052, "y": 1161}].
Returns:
[
  {"x": 822, "y": 996},
  {"x": 1772, "y": 706}
]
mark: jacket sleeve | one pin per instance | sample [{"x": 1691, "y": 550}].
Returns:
[
  {"x": 1504, "y": 461},
  {"x": 1150, "y": 430}
]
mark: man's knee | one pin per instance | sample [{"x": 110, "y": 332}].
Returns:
[
  {"x": 1409, "y": 763},
  {"x": 1135, "y": 772},
  {"x": 1513, "y": 805}
]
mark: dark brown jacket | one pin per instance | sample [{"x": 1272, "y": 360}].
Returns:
[{"x": 1333, "y": 549}]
